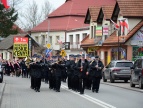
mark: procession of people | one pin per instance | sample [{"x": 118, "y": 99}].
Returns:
[{"x": 79, "y": 72}]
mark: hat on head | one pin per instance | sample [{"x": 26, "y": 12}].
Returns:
[
  {"x": 96, "y": 56},
  {"x": 83, "y": 55}
]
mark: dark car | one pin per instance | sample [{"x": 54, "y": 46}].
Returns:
[
  {"x": 1, "y": 72},
  {"x": 137, "y": 74},
  {"x": 117, "y": 70}
]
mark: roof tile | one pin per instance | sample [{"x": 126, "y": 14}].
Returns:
[{"x": 131, "y": 7}]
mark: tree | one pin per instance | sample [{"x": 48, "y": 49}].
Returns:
[
  {"x": 7, "y": 19},
  {"x": 46, "y": 9},
  {"x": 33, "y": 15}
]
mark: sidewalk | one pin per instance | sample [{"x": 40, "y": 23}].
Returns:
[
  {"x": 121, "y": 84},
  {"x": 2, "y": 85}
]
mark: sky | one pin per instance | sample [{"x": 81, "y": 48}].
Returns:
[{"x": 55, "y": 3}]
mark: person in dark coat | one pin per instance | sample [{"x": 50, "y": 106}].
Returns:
[
  {"x": 38, "y": 75},
  {"x": 17, "y": 68},
  {"x": 58, "y": 73},
  {"x": 69, "y": 71},
  {"x": 76, "y": 75},
  {"x": 24, "y": 69},
  {"x": 7, "y": 68},
  {"x": 89, "y": 78},
  {"x": 82, "y": 67},
  {"x": 96, "y": 69}
]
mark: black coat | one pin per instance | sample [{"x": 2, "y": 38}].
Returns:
[
  {"x": 82, "y": 73},
  {"x": 58, "y": 69},
  {"x": 68, "y": 66},
  {"x": 36, "y": 70},
  {"x": 94, "y": 72}
]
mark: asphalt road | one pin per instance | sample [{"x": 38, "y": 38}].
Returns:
[{"x": 17, "y": 94}]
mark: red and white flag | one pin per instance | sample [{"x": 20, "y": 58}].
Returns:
[
  {"x": 115, "y": 25},
  {"x": 60, "y": 42},
  {"x": 124, "y": 25},
  {"x": 5, "y": 3}
]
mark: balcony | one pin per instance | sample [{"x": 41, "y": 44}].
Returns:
[{"x": 75, "y": 46}]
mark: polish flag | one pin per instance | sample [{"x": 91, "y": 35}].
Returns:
[
  {"x": 115, "y": 25},
  {"x": 5, "y": 3},
  {"x": 124, "y": 24},
  {"x": 59, "y": 41}
]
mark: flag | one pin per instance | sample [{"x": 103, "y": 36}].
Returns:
[
  {"x": 5, "y": 3},
  {"x": 48, "y": 52},
  {"x": 115, "y": 24},
  {"x": 60, "y": 42},
  {"x": 124, "y": 23}
]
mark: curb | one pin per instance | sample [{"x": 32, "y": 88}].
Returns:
[
  {"x": 1, "y": 91},
  {"x": 123, "y": 87}
]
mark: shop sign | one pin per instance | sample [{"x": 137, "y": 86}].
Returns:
[
  {"x": 91, "y": 49},
  {"x": 137, "y": 38},
  {"x": 137, "y": 53},
  {"x": 98, "y": 31},
  {"x": 20, "y": 47},
  {"x": 105, "y": 30}
]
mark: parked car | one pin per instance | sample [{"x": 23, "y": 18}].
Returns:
[
  {"x": 137, "y": 74},
  {"x": 117, "y": 70},
  {"x": 1, "y": 73}
]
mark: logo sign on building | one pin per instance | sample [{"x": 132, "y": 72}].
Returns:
[
  {"x": 20, "y": 47},
  {"x": 98, "y": 31},
  {"x": 105, "y": 30}
]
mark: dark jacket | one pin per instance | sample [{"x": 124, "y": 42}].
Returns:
[
  {"x": 68, "y": 66},
  {"x": 94, "y": 71},
  {"x": 36, "y": 70},
  {"x": 58, "y": 69},
  {"x": 82, "y": 73}
]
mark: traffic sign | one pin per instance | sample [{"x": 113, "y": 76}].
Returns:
[
  {"x": 63, "y": 53},
  {"x": 48, "y": 45}
]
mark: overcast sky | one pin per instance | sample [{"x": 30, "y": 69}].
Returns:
[{"x": 55, "y": 3}]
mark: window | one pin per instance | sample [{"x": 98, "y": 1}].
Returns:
[
  {"x": 77, "y": 38},
  {"x": 92, "y": 31},
  {"x": 43, "y": 39},
  {"x": 57, "y": 38},
  {"x": 71, "y": 39},
  {"x": 36, "y": 39},
  {"x": 124, "y": 64},
  {"x": 84, "y": 35},
  {"x": 50, "y": 39}
]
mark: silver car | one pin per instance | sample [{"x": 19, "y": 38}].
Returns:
[{"x": 117, "y": 70}]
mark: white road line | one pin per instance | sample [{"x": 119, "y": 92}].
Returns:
[{"x": 91, "y": 99}]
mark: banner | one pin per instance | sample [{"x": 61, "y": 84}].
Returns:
[
  {"x": 98, "y": 31},
  {"x": 105, "y": 30},
  {"x": 20, "y": 47}
]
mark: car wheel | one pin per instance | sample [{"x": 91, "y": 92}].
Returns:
[
  {"x": 111, "y": 79},
  {"x": 104, "y": 80},
  {"x": 140, "y": 84},
  {"x": 125, "y": 81},
  {"x": 131, "y": 83}
]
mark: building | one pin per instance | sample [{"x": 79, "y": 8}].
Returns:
[
  {"x": 61, "y": 23},
  {"x": 113, "y": 44}
]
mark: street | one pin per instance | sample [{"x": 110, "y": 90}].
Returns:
[{"x": 17, "y": 94}]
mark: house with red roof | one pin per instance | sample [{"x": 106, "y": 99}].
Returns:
[
  {"x": 113, "y": 43},
  {"x": 63, "y": 23}
]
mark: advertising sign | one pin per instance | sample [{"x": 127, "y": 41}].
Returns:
[
  {"x": 105, "y": 30},
  {"x": 98, "y": 31},
  {"x": 20, "y": 47}
]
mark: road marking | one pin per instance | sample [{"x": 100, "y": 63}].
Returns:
[{"x": 91, "y": 99}]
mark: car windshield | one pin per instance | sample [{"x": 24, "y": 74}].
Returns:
[{"x": 124, "y": 64}]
